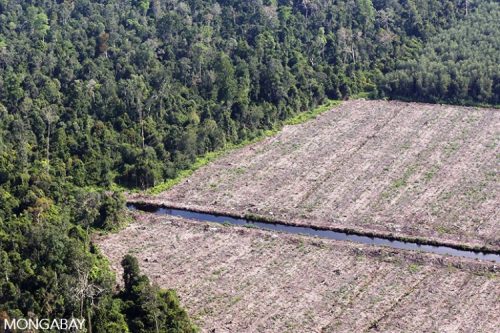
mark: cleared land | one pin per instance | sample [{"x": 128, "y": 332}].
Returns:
[
  {"x": 235, "y": 279},
  {"x": 390, "y": 168}
]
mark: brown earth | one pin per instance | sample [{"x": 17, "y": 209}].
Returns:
[
  {"x": 389, "y": 168},
  {"x": 235, "y": 279}
]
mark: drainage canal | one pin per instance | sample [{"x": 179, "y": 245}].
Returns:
[{"x": 328, "y": 234}]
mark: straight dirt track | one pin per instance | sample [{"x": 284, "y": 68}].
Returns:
[{"x": 390, "y": 168}]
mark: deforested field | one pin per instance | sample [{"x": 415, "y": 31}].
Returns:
[
  {"x": 391, "y": 168},
  {"x": 235, "y": 279}
]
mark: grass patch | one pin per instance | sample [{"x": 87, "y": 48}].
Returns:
[
  {"x": 451, "y": 148},
  {"x": 414, "y": 268},
  {"x": 236, "y": 299},
  {"x": 362, "y": 95},
  {"x": 442, "y": 230},
  {"x": 218, "y": 272},
  {"x": 305, "y": 116},
  {"x": 301, "y": 247},
  {"x": 431, "y": 173},
  {"x": 403, "y": 181},
  {"x": 239, "y": 170},
  {"x": 406, "y": 146}
]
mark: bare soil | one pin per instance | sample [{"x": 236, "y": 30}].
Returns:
[
  {"x": 235, "y": 279},
  {"x": 389, "y": 168}
]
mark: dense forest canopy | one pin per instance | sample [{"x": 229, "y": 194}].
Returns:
[
  {"x": 130, "y": 92},
  {"x": 94, "y": 93},
  {"x": 460, "y": 64}
]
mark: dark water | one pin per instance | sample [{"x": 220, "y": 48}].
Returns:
[{"x": 328, "y": 234}]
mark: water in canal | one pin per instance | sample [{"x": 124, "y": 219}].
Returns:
[{"x": 328, "y": 234}]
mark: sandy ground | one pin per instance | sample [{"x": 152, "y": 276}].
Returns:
[
  {"x": 406, "y": 169},
  {"x": 235, "y": 279}
]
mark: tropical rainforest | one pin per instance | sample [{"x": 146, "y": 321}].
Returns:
[{"x": 102, "y": 95}]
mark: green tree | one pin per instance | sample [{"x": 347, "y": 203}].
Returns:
[{"x": 150, "y": 309}]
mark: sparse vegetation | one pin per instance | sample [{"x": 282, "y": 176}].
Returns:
[{"x": 414, "y": 268}]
